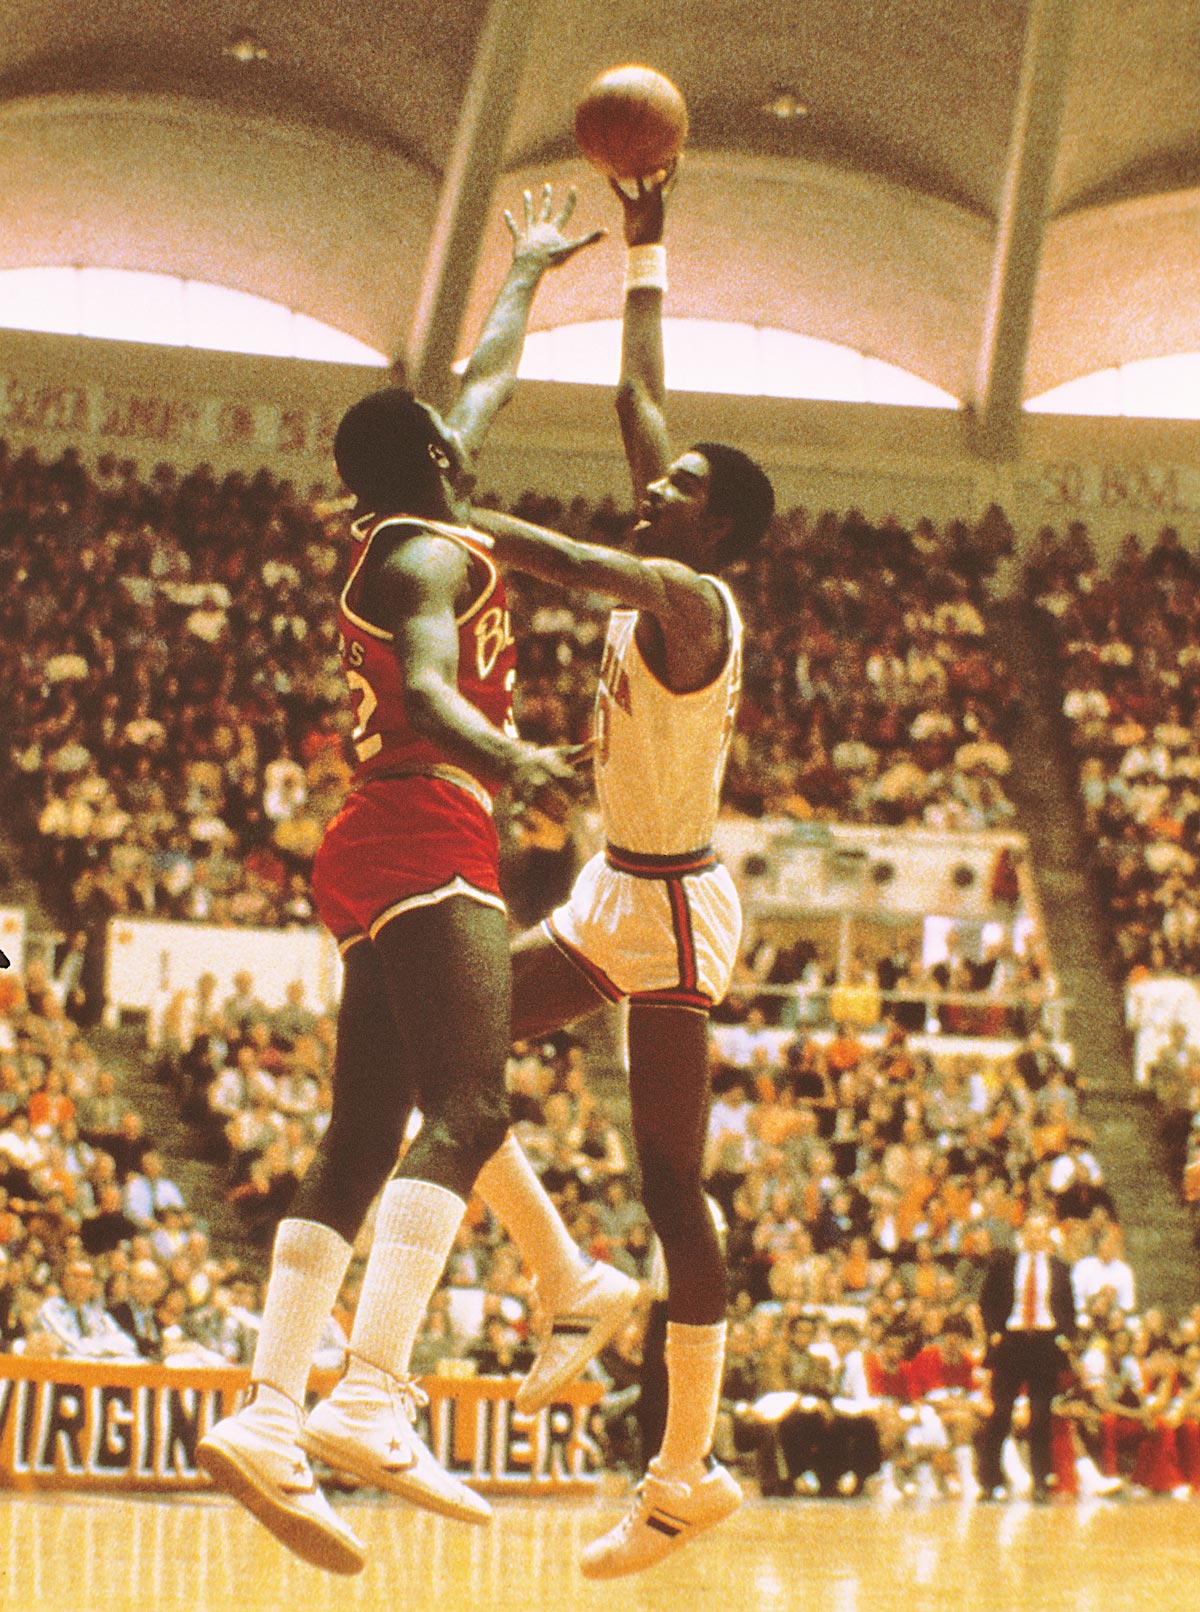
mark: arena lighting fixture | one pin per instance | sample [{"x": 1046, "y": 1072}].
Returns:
[
  {"x": 245, "y": 48},
  {"x": 785, "y": 107}
]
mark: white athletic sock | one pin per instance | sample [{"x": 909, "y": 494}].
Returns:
[
  {"x": 1014, "y": 1468},
  {"x": 308, "y": 1267},
  {"x": 510, "y": 1188},
  {"x": 695, "y": 1362},
  {"x": 414, "y": 1233}
]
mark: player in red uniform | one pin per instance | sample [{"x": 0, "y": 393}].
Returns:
[{"x": 406, "y": 879}]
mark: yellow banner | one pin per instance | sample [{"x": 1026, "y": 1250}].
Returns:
[{"x": 72, "y": 1424}]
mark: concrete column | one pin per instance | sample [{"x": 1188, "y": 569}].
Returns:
[
  {"x": 476, "y": 162},
  {"x": 1032, "y": 156}
]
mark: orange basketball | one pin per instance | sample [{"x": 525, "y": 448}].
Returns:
[{"x": 631, "y": 122}]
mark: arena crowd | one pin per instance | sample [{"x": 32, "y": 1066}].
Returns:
[{"x": 174, "y": 743}]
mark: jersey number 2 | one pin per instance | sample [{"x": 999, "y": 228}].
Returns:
[{"x": 365, "y": 745}]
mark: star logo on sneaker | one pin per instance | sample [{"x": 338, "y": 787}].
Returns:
[
  {"x": 404, "y": 1459},
  {"x": 305, "y": 1482}
]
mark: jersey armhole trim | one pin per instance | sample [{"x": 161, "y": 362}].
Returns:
[{"x": 733, "y": 622}]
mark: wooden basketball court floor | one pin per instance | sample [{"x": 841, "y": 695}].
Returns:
[{"x": 77, "y": 1553}]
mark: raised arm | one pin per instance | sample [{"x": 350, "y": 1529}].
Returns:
[
  {"x": 419, "y": 586},
  {"x": 641, "y": 391},
  {"x": 491, "y": 372}
]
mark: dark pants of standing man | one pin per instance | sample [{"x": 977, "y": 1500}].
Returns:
[{"x": 1020, "y": 1360}]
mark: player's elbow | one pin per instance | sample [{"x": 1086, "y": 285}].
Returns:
[
  {"x": 487, "y": 392},
  {"x": 424, "y": 704},
  {"x": 631, "y": 399},
  {"x": 639, "y": 412}
]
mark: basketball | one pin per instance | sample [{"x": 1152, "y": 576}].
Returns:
[{"x": 631, "y": 122}]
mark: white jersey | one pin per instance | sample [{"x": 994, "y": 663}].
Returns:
[{"x": 660, "y": 757}]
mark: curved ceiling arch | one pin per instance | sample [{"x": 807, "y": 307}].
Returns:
[
  {"x": 909, "y": 289},
  {"x": 308, "y": 168},
  {"x": 1119, "y": 283},
  {"x": 334, "y": 228}
]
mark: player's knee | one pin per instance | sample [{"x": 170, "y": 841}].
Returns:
[
  {"x": 486, "y": 1126},
  {"x": 357, "y": 1153},
  {"x": 337, "y": 1192},
  {"x": 471, "y": 1128},
  {"x": 674, "y": 1200}
]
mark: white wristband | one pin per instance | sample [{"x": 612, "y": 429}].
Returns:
[{"x": 646, "y": 268}]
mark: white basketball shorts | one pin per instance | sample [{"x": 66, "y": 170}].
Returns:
[{"x": 660, "y": 929}]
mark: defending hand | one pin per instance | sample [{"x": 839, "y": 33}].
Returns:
[
  {"x": 543, "y": 240},
  {"x": 549, "y": 777}
]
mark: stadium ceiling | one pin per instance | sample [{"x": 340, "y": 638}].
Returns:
[{"x": 998, "y": 195}]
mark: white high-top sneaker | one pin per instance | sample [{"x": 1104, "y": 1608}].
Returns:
[
  {"x": 255, "y": 1456},
  {"x": 586, "y": 1319},
  {"x": 365, "y": 1428}
]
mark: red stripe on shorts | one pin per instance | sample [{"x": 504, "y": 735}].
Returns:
[{"x": 592, "y": 971}]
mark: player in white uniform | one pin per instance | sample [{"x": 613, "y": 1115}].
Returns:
[{"x": 653, "y": 919}]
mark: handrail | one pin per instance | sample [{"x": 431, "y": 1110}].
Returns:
[{"x": 1054, "y": 1008}]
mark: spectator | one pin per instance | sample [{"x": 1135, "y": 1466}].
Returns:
[
  {"x": 77, "y": 1323},
  {"x": 130, "y": 1144},
  {"x": 148, "y": 1192},
  {"x": 241, "y": 1007},
  {"x": 101, "y": 1113},
  {"x": 137, "y": 1315},
  {"x": 1106, "y": 1272},
  {"x": 109, "y": 1226},
  {"x": 293, "y": 1019},
  {"x": 730, "y": 1145}
]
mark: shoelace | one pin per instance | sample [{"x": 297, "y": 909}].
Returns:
[
  {"x": 675, "y": 1488},
  {"x": 411, "y": 1395},
  {"x": 275, "y": 1420},
  {"x": 630, "y": 1518},
  {"x": 405, "y": 1393}
]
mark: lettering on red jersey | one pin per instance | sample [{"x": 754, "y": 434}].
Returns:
[
  {"x": 351, "y": 650},
  {"x": 383, "y": 737},
  {"x": 493, "y": 635}
]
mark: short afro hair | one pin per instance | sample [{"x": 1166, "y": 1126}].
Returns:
[
  {"x": 957, "y": 1325},
  {"x": 384, "y": 451},
  {"x": 739, "y": 490}
]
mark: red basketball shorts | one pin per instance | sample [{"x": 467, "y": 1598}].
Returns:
[{"x": 400, "y": 843}]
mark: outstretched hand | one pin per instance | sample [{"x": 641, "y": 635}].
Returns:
[
  {"x": 548, "y": 778},
  {"x": 543, "y": 238},
  {"x": 645, "y": 207}
]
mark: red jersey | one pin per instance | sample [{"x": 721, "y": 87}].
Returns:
[
  {"x": 930, "y": 1369},
  {"x": 384, "y": 741},
  {"x": 884, "y": 1381}
]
